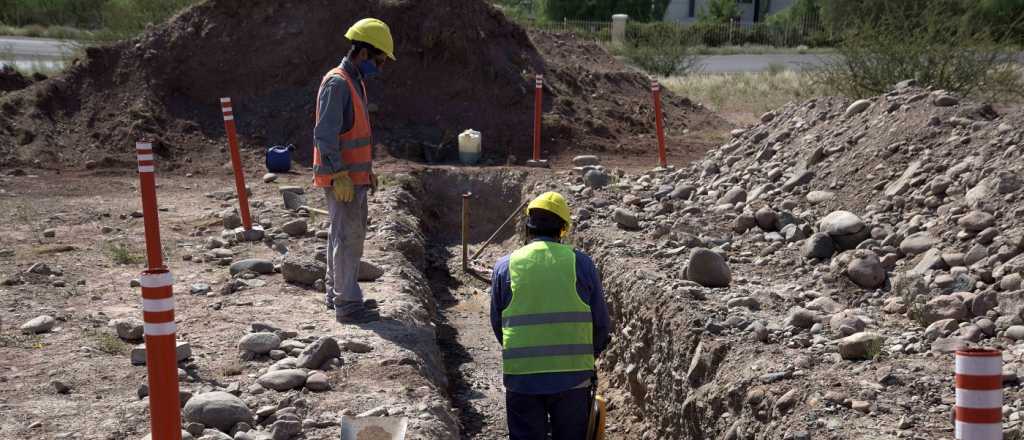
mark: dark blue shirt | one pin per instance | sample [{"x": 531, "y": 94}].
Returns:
[{"x": 588, "y": 286}]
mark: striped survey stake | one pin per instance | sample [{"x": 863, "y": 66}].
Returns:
[
  {"x": 236, "y": 161},
  {"x": 656, "y": 91},
  {"x": 979, "y": 394},
  {"x": 538, "y": 100},
  {"x": 158, "y": 312}
]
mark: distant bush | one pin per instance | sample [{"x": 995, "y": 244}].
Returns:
[
  {"x": 663, "y": 49},
  {"x": 558, "y": 10},
  {"x": 117, "y": 18},
  {"x": 926, "y": 43}
]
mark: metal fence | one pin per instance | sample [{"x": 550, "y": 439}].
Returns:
[{"x": 592, "y": 30}]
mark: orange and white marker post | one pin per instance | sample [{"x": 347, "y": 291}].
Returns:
[
  {"x": 538, "y": 108},
  {"x": 236, "y": 161},
  {"x": 656, "y": 91},
  {"x": 979, "y": 394},
  {"x": 158, "y": 312}
]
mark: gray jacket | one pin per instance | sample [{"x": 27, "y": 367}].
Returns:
[{"x": 337, "y": 116}]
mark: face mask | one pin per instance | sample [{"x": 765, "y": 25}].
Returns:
[{"x": 368, "y": 69}]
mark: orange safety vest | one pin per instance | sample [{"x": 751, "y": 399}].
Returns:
[{"x": 356, "y": 144}]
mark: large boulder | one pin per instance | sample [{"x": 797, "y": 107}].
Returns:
[
  {"x": 217, "y": 409},
  {"x": 39, "y": 324},
  {"x": 841, "y": 223},
  {"x": 259, "y": 343},
  {"x": 596, "y": 178},
  {"x": 734, "y": 196},
  {"x": 295, "y": 228},
  {"x": 866, "y": 270},
  {"x": 369, "y": 271},
  {"x": 943, "y": 307},
  {"x": 283, "y": 380},
  {"x": 857, "y": 107},
  {"x": 941, "y": 329},
  {"x": 846, "y": 323},
  {"x": 320, "y": 351},
  {"x": 129, "y": 329},
  {"x": 861, "y": 346},
  {"x": 708, "y": 268},
  {"x": 819, "y": 246},
  {"x": 845, "y": 228},
  {"x": 626, "y": 219},
  {"x": 918, "y": 243},
  {"x": 255, "y": 265},
  {"x": 977, "y": 221},
  {"x": 766, "y": 219},
  {"x": 302, "y": 271},
  {"x": 800, "y": 317}
]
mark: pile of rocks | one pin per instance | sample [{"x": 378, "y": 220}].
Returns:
[
  {"x": 275, "y": 405},
  {"x": 888, "y": 229}
]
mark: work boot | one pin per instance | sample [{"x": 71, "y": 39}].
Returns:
[
  {"x": 371, "y": 304},
  {"x": 354, "y": 312}
]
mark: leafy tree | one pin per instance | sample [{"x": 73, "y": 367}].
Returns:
[
  {"x": 719, "y": 11},
  {"x": 602, "y": 10}
]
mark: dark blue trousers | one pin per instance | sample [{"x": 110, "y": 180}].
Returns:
[{"x": 564, "y": 415}]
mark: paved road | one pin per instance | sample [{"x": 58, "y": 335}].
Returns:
[
  {"x": 29, "y": 51},
  {"x": 757, "y": 63},
  {"x": 26, "y": 53}
]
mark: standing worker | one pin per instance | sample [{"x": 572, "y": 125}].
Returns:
[
  {"x": 548, "y": 311},
  {"x": 343, "y": 163}
]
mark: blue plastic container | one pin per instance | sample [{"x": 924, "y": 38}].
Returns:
[{"x": 279, "y": 158}]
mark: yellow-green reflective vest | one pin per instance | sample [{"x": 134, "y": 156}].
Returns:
[{"x": 546, "y": 328}]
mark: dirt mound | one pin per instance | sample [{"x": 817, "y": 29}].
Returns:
[{"x": 460, "y": 65}]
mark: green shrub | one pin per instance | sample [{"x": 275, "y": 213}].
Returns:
[
  {"x": 663, "y": 49},
  {"x": 121, "y": 253},
  {"x": 719, "y": 11},
  {"x": 925, "y": 43}
]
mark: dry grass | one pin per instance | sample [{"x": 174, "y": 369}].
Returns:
[
  {"x": 108, "y": 342},
  {"x": 743, "y": 97},
  {"x": 121, "y": 253}
]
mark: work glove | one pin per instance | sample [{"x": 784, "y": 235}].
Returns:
[
  {"x": 373, "y": 183},
  {"x": 344, "y": 190}
]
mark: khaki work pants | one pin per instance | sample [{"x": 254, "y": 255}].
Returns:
[{"x": 345, "y": 246}]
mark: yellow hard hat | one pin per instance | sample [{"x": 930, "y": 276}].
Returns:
[
  {"x": 373, "y": 32},
  {"x": 553, "y": 202}
]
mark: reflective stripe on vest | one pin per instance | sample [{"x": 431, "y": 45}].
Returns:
[
  {"x": 546, "y": 328},
  {"x": 356, "y": 144}
]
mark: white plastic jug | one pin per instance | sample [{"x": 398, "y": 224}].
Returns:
[{"x": 469, "y": 146}]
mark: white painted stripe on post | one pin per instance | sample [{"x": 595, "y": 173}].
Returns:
[
  {"x": 144, "y": 146},
  {"x": 146, "y": 156},
  {"x": 981, "y": 431},
  {"x": 146, "y": 169},
  {"x": 225, "y": 100},
  {"x": 164, "y": 329},
  {"x": 156, "y": 280},
  {"x": 980, "y": 365},
  {"x": 979, "y": 399},
  {"x": 227, "y": 110},
  {"x": 157, "y": 305},
  {"x": 229, "y": 118}
]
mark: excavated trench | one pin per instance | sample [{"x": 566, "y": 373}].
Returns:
[
  {"x": 472, "y": 356},
  {"x": 644, "y": 369}
]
